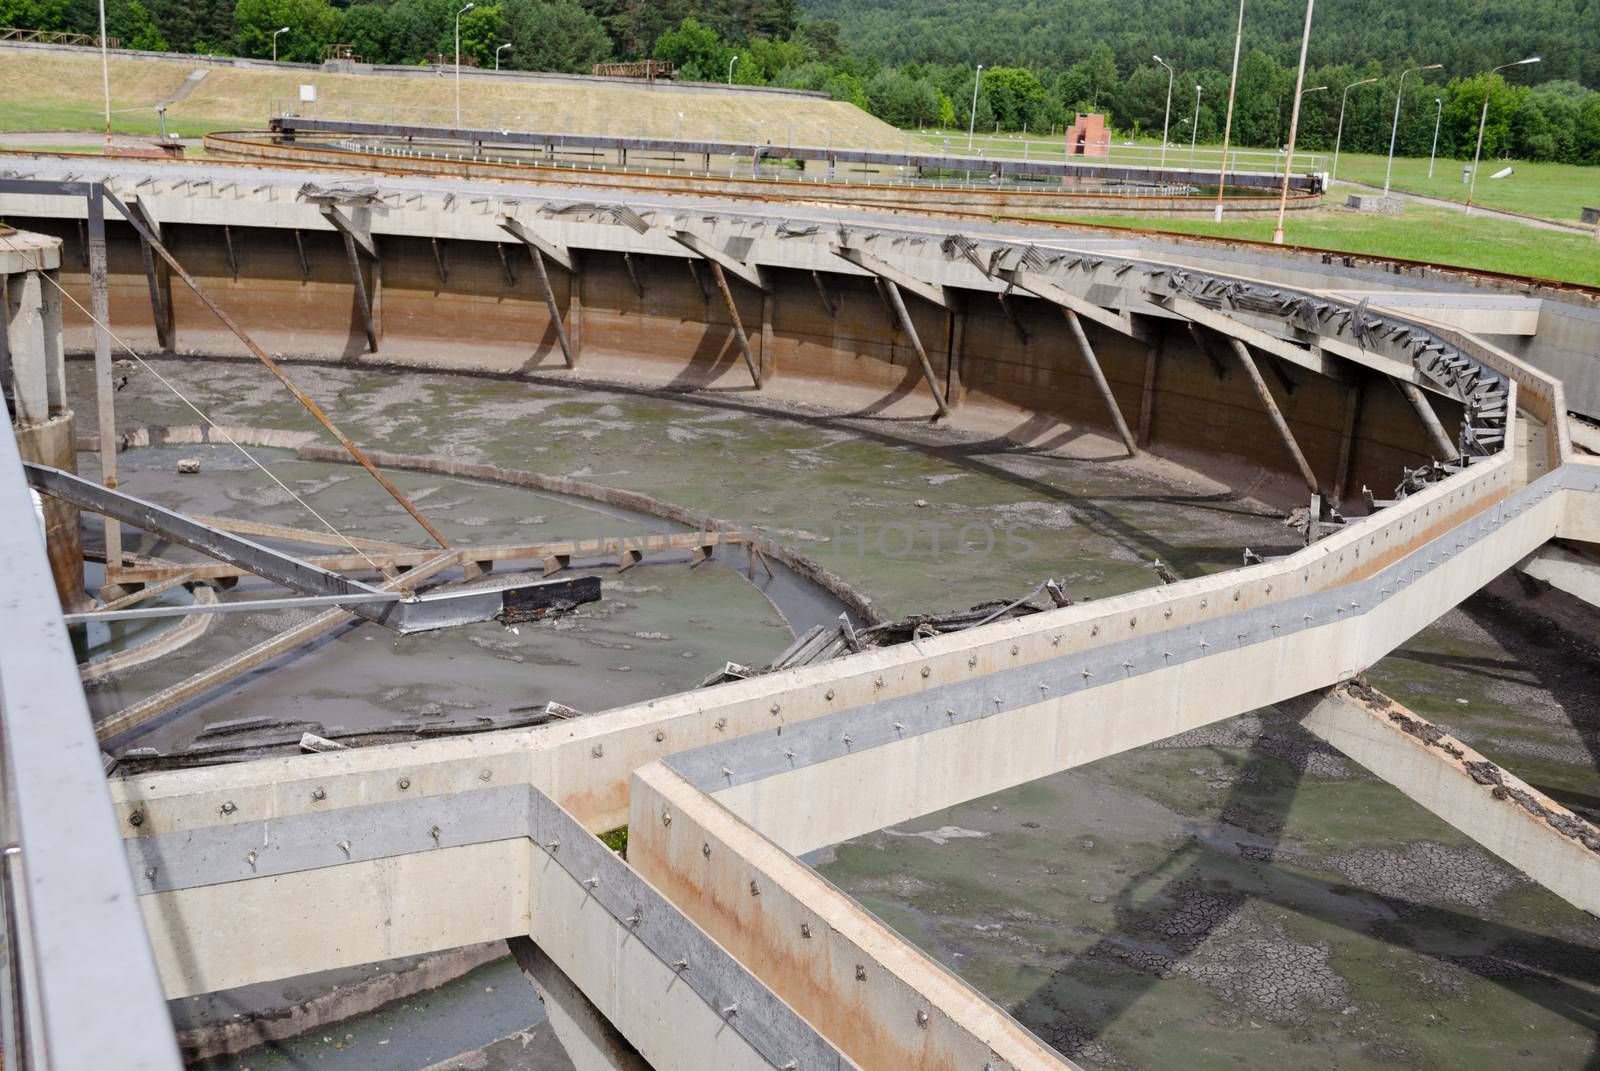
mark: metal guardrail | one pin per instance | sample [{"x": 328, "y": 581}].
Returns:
[
  {"x": 79, "y": 990},
  {"x": 923, "y": 159},
  {"x": 571, "y": 120},
  {"x": 52, "y": 37}
]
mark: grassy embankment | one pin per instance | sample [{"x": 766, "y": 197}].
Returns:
[{"x": 51, "y": 91}]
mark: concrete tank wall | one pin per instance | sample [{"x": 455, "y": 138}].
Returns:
[{"x": 857, "y": 359}]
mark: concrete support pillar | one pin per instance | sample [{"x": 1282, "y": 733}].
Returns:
[
  {"x": 1101, "y": 384},
  {"x": 892, "y": 290},
  {"x": 955, "y": 353},
  {"x": 1147, "y": 397},
  {"x": 363, "y": 300},
  {"x": 1248, "y": 363},
  {"x": 550, "y": 304},
  {"x": 35, "y": 374},
  {"x": 30, "y": 389},
  {"x": 1430, "y": 420},
  {"x": 738, "y": 324},
  {"x": 1352, "y": 412},
  {"x": 105, "y": 393},
  {"x": 55, "y": 364},
  {"x": 769, "y": 360},
  {"x": 592, "y": 1043},
  {"x": 158, "y": 277},
  {"x": 575, "y": 307}
]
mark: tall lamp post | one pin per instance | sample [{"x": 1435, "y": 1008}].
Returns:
[
  {"x": 1294, "y": 125},
  {"x": 1166, "y": 117},
  {"x": 972, "y": 118},
  {"x": 1194, "y": 126},
  {"x": 1344, "y": 98},
  {"x": 731, "y": 62},
  {"x": 275, "y": 34},
  {"x": 1483, "y": 120},
  {"x": 1395, "y": 128},
  {"x": 1437, "y": 117},
  {"x": 497, "y": 52},
  {"x": 1227, "y": 126},
  {"x": 105, "y": 71},
  {"x": 463, "y": 11}
]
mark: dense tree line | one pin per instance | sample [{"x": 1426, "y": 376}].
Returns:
[
  {"x": 1467, "y": 36},
  {"x": 911, "y": 62}
]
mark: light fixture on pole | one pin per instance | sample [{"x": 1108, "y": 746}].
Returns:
[
  {"x": 1166, "y": 117},
  {"x": 463, "y": 11},
  {"x": 1483, "y": 119},
  {"x": 972, "y": 120},
  {"x": 1294, "y": 125},
  {"x": 497, "y": 52},
  {"x": 1227, "y": 126},
  {"x": 275, "y": 34},
  {"x": 731, "y": 62},
  {"x": 105, "y": 71},
  {"x": 1439, "y": 115},
  {"x": 1344, "y": 98},
  {"x": 1395, "y": 129},
  {"x": 1194, "y": 127}
]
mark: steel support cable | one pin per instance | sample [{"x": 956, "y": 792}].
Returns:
[{"x": 212, "y": 424}]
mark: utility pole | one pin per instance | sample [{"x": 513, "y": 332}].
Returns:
[{"x": 1227, "y": 126}]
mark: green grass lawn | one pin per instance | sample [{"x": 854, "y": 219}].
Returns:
[
  {"x": 1550, "y": 191},
  {"x": 1422, "y": 232}
]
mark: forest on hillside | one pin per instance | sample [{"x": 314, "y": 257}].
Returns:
[
  {"x": 1466, "y": 36},
  {"x": 913, "y": 62}
]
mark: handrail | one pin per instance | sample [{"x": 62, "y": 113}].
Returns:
[{"x": 81, "y": 990}]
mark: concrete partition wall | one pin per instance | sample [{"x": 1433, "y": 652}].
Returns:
[
  {"x": 883, "y": 1003},
  {"x": 850, "y": 354}
]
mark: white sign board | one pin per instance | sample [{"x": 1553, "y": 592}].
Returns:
[{"x": 308, "y": 94}]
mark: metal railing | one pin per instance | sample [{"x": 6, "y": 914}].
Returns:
[
  {"x": 79, "y": 990},
  {"x": 577, "y": 119}
]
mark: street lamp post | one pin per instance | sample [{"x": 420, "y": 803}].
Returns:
[
  {"x": 1294, "y": 125},
  {"x": 1166, "y": 117},
  {"x": 275, "y": 34},
  {"x": 731, "y": 62},
  {"x": 972, "y": 119},
  {"x": 1344, "y": 99},
  {"x": 497, "y": 52},
  {"x": 105, "y": 71},
  {"x": 1227, "y": 126},
  {"x": 1395, "y": 128},
  {"x": 1194, "y": 127},
  {"x": 463, "y": 11},
  {"x": 1438, "y": 116},
  {"x": 1483, "y": 120}
]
